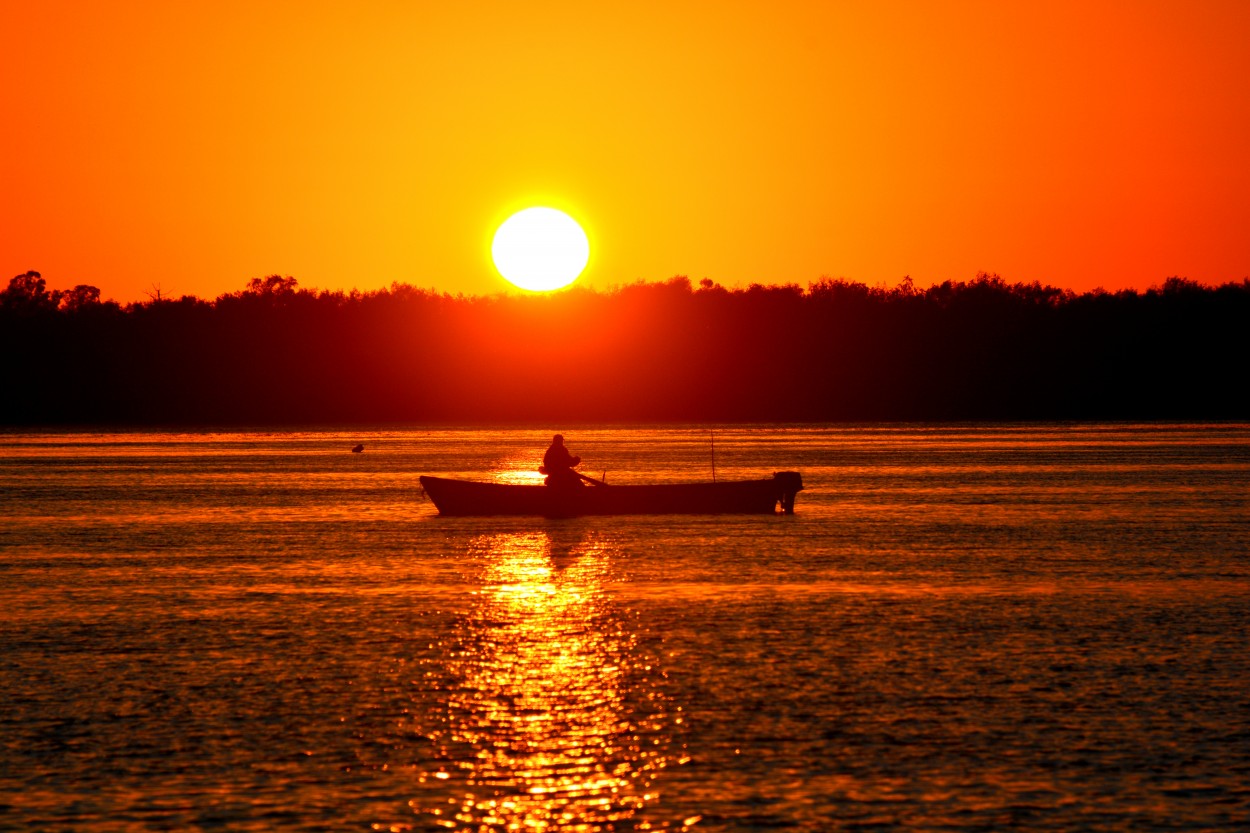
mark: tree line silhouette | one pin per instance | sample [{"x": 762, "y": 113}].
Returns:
[{"x": 275, "y": 353}]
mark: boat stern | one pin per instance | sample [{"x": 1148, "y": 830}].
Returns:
[{"x": 789, "y": 484}]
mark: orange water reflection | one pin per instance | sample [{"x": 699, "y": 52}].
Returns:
[
  {"x": 519, "y": 468},
  {"x": 553, "y": 716}
]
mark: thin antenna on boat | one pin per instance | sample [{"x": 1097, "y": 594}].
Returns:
[{"x": 712, "y": 434}]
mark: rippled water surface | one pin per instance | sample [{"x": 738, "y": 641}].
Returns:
[{"x": 962, "y": 628}]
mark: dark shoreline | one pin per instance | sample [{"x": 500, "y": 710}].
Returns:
[
  {"x": 836, "y": 352},
  {"x": 544, "y": 428}
]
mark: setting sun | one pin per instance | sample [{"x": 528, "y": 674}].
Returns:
[{"x": 540, "y": 249}]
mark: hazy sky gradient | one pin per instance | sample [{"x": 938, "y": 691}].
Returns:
[{"x": 195, "y": 145}]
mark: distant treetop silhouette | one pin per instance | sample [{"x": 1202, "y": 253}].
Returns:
[{"x": 274, "y": 353}]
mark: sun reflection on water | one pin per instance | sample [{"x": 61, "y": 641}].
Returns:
[
  {"x": 518, "y": 469},
  {"x": 554, "y": 718}
]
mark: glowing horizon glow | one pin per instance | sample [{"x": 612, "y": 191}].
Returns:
[
  {"x": 540, "y": 249},
  {"x": 197, "y": 146}
]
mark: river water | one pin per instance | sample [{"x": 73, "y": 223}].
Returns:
[{"x": 1038, "y": 627}]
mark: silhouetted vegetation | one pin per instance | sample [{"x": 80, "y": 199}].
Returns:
[{"x": 274, "y": 353}]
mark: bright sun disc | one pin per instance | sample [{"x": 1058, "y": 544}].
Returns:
[{"x": 540, "y": 249}]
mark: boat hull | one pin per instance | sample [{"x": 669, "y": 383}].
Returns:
[{"x": 467, "y": 497}]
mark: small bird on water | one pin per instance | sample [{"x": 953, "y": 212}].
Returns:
[{"x": 359, "y": 448}]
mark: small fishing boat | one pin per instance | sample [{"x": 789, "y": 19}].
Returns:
[{"x": 470, "y": 497}]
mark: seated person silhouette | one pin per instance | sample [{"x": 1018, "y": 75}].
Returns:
[{"x": 558, "y": 464}]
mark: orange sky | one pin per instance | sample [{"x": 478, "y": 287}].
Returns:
[{"x": 194, "y": 145}]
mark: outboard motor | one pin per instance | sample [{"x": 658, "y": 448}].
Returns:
[{"x": 789, "y": 484}]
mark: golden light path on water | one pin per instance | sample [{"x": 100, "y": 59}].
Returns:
[{"x": 552, "y": 717}]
